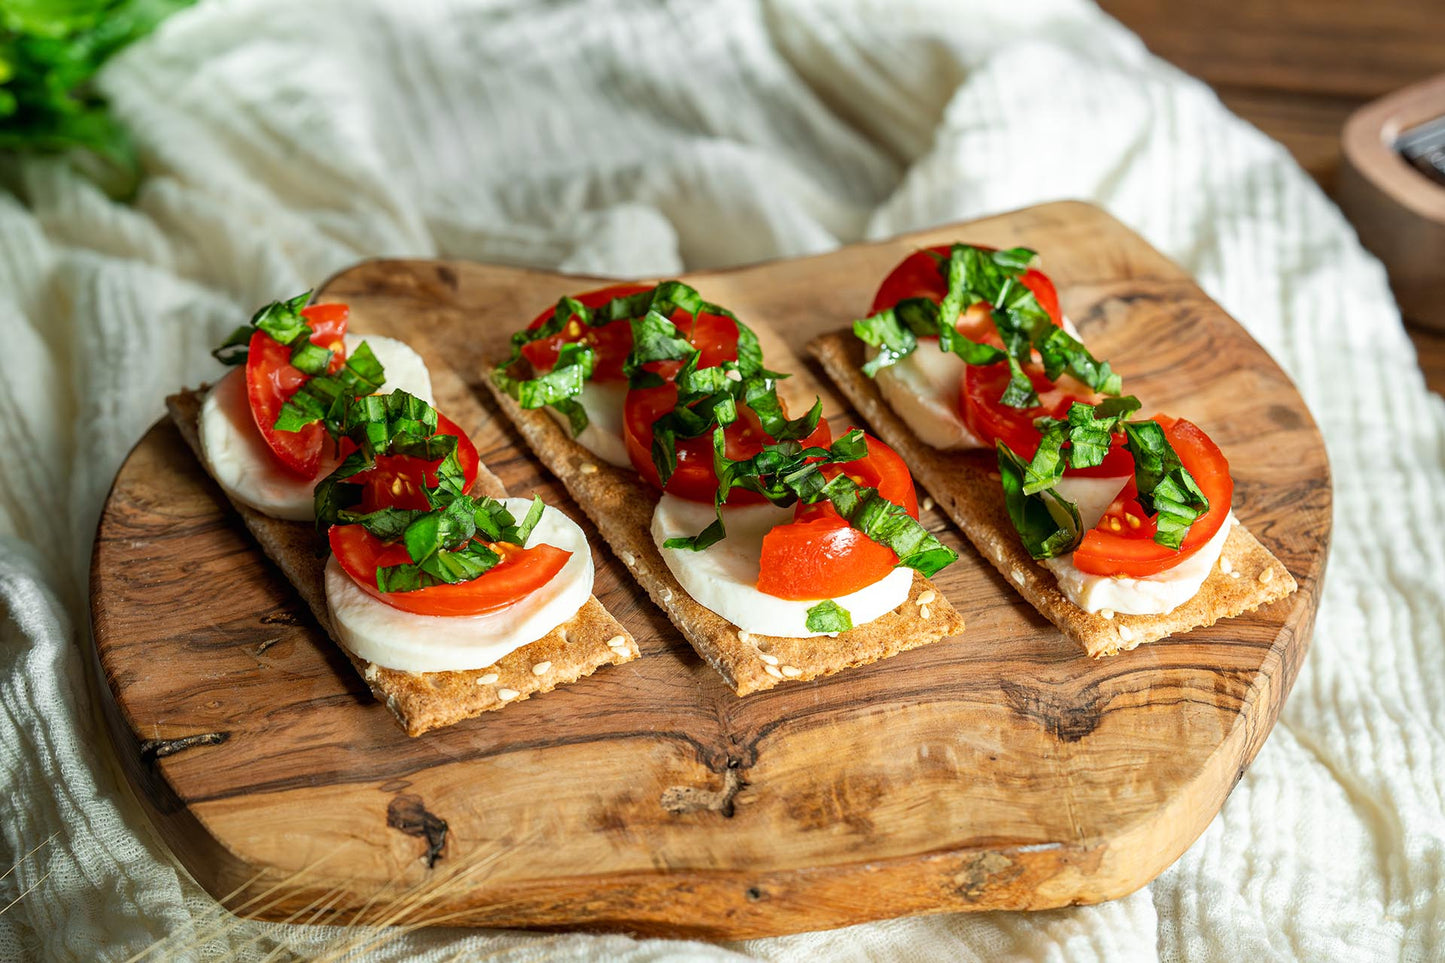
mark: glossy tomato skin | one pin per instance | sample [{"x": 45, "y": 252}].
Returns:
[
  {"x": 918, "y": 276},
  {"x": 712, "y": 334},
  {"x": 819, "y": 555},
  {"x": 521, "y": 572},
  {"x": 992, "y": 421},
  {"x": 1130, "y": 551},
  {"x": 271, "y": 380},
  {"x": 695, "y": 478},
  {"x": 395, "y": 481}
]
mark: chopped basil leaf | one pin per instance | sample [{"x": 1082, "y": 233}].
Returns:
[
  {"x": 1166, "y": 488},
  {"x": 1048, "y": 524},
  {"x": 282, "y": 320},
  {"x": 828, "y": 616},
  {"x": 328, "y": 397},
  {"x": 975, "y": 276},
  {"x": 556, "y": 388},
  {"x": 889, "y": 525}
]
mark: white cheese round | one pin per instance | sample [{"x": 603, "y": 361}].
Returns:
[
  {"x": 1093, "y": 496},
  {"x": 724, "y": 577},
  {"x": 242, "y": 462},
  {"x": 922, "y": 389},
  {"x": 1153, "y": 595},
  {"x": 408, "y": 642},
  {"x": 603, "y": 403}
]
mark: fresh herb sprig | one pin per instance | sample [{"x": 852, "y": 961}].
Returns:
[
  {"x": 993, "y": 278},
  {"x": 326, "y": 396}
]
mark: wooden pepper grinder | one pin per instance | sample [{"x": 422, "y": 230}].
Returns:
[{"x": 1392, "y": 187}]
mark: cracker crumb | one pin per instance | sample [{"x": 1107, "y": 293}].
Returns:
[{"x": 372, "y": 671}]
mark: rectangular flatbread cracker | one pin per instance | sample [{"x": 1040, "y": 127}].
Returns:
[
  {"x": 968, "y": 490},
  {"x": 422, "y": 701},
  {"x": 621, "y": 504}
]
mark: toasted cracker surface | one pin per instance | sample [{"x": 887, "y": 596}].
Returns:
[
  {"x": 621, "y": 504},
  {"x": 422, "y": 701},
  {"x": 967, "y": 489}
]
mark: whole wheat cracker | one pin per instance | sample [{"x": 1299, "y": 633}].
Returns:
[
  {"x": 973, "y": 498},
  {"x": 422, "y": 701},
  {"x": 621, "y": 505}
]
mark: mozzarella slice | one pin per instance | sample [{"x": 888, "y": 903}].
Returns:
[
  {"x": 724, "y": 577},
  {"x": 242, "y": 462},
  {"x": 1093, "y": 496},
  {"x": 922, "y": 389},
  {"x": 603, "y": 403},
  {"x": 1154, "y": 595},
  {"x": 409, "y": 642}
]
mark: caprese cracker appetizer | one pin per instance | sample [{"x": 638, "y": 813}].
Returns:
[
  {"x": 780, "y": 551},
  {"x": 1118, "y": 528},
  {"x": 449, "y": 598}
]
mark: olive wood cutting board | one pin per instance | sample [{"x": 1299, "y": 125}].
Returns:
[{"x": 1000, "y": 769}]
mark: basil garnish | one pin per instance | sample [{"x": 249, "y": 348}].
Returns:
[
  {"x": 654, "y": 338},
  {"x": 324, "y": 397},
  {"x": 992, "y": 278},
  {"x": 828, "y": 616},
  {"x": 1049, "y": 524},
  {"x": 1166, "y": 489}
]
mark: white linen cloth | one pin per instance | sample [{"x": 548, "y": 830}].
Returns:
[{"x": 286, "y": 140}]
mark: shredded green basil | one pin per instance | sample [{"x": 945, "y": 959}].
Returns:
[
  {"x": 1166, "y": 488},
  {"x": 828, "y": 616},
  {"x": 1048, "y": 524},
  {"x": 323, "y": 397},
  {"x": 989, "y": 277},
  {"x": 654, "y": 338}
]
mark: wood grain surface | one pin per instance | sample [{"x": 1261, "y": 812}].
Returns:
[{"x": 1001, "y": 769}]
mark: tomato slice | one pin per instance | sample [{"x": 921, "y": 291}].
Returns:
[
  {"x": 395, "y": 480},
  {"x": 712, "y": 334},
  {"x": 521, "y": 572},
  {"x": 271, "y": 380},
  {"x": 1129, "y": 550},
  {"x": 918, "y": 276},
  {"x": 819, "y": 555},
  {"x": 991, "y": 420}
]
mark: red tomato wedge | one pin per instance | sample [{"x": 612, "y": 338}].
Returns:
[
  {"x": 991, "y": 420},
  {"x": 918, "y": 276},
  {"x": 271, "y": 380},
  {"x": 695, "y": 479},
  {"x": 395, "y": 481},
  {"x": 521, "y": 572},
  {"x": 1131, "y": 551},
  {"x": 712, "y": 334},
  {"x": 819, "y": 555}
]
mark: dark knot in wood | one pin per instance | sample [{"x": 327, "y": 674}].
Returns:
[
  {"x": 153, "y": 749},
  {"x": 679, "y": 800},
  {"x": 1066, "y": 719},
  {"x": 409, "y": 814}
]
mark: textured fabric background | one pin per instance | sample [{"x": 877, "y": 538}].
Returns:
[{"x": 288, "y": 139}]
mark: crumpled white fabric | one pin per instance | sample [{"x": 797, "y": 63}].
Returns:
[{"x": 286, "y": 140}]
